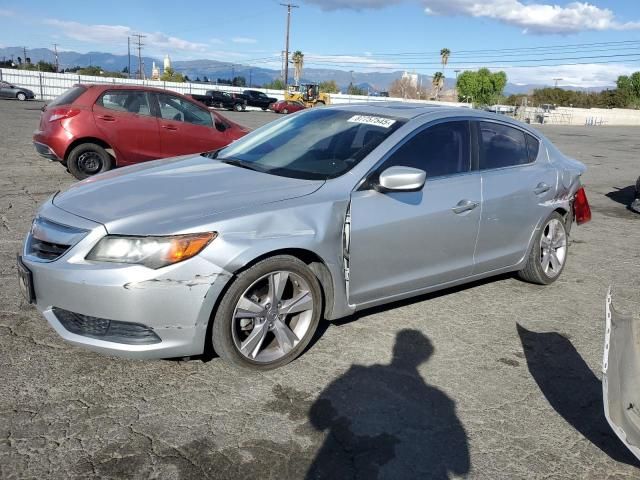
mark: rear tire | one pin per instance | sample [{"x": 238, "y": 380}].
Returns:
[
  {"x": 88, "y": 159},
  {"x": 21, "y": 96},
  {"x": 285, "y": 111},
  {"x": 249, "y": 323},
  {"x": 238, "y": 107},
  {"x": 549, "y": 253}
]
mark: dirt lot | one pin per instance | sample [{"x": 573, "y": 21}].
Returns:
[{"x": 500, "y": 379}]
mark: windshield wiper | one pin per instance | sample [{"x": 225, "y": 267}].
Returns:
[{"x": 239, "y": 163}]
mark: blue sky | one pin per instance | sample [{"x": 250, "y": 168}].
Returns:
[{"x": 355, "y": 35}]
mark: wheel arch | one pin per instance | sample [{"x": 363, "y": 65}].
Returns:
[
  {"x": 95, "y": 140},
  {"x": 315, "y": 263}
]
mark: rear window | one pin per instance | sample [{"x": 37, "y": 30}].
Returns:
[
  {"x": 68, "y": 97},
  {"x": 502, "y": 146},
  {"x": 533, "y": 145}
]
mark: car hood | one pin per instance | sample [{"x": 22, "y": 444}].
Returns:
[{"x": 153, "y": 198}]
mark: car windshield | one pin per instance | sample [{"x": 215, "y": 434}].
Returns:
[{"x": 315, "y": 145}]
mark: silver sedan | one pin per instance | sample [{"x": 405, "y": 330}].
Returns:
[{"x": 317, "y": 215}]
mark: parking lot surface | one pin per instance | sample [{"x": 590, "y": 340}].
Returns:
[{"x": 498, "y": 379}]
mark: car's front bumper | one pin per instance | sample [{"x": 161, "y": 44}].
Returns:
[{"x": 174, "y": 302}]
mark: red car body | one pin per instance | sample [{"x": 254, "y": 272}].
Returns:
[
  {"x": 130, "y": 134},
  {"x": 286, "y": 106}
]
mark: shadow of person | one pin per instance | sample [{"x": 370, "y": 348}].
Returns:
[
  {"x": 571, "y": 388},
  {"x": 384, "y": 421},
  {"x": 624, "y": 195}
]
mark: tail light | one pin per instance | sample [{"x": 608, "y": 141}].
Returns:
[
  {"x": 62, "y": 113},
  {"x": 581, "y": 208}
]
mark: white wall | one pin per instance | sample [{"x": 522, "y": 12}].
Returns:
[{"x": 47, "y": 86}]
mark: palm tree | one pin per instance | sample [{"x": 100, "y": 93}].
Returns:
[
  {"x": 437, "y": 83},
  {"x": 298, "y": 62},
  {"x": 444, "y": 57}
]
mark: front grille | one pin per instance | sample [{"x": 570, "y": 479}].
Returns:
[
  {"x": 48, "y": 240},
  {"x": 46, "y": 250},
  {"x": 103, "y": 329}
]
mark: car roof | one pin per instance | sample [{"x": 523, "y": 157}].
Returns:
[
  {"x": 111, "y": 86},
  {"x": 408, "y": 111}
]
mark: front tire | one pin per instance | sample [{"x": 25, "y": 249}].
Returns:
[
  {"x": 237, "y": 107},
  {"x": 285, "y": 111},
  {"x": 549, "y": 253},
  {"x": 268, "y": 315},
  {"x": 88, "y": 159},
  {"x": 21, "y": 96}
]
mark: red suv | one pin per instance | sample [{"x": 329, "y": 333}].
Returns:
[{"x": 93, "y": 128}]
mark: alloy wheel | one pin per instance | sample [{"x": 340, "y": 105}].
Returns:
[
  {"x": 553, "y": 248},
  {"x": 272, "y": 316}
]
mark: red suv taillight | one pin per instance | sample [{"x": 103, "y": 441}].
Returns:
[
  {"x": 62, "y": 113},
  {"x": 581, "y": 208}
]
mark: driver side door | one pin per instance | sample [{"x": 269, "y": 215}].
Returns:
[
  {"x": 404, "y": 242},
  {"x": 185, "y": 127}
]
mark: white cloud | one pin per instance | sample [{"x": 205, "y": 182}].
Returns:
[
  {"x": 243, "y": 40},
  {"x": 118, "y": 34},
  {"x": 539, "y": 18}
]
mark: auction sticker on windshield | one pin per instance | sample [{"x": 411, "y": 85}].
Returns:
[{"x": 369, "y": 120}]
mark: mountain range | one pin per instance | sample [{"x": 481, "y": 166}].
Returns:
[{"x": 255, "y": 76}]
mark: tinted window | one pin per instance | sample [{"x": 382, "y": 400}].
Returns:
[
  {"x": 501, "y": 146},
  {"x": 439, "y": 150},
  {"x": 533, "y": 145},
  {"x": 176, "y": 108},
  {"x": 125, "y": 101},
  {"x": 68, "y": 97}
]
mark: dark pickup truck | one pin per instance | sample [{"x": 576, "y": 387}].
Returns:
[
  {"x": 256, "y": 98},
  {"x": 217, "y": 98}
]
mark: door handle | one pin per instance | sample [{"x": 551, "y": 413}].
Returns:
[
  {"x": 107, "y": 118},
  {"x": 169, "y": 127},
  {"x": 464, "y": 206},
  {"x": 541, "y": 188}
]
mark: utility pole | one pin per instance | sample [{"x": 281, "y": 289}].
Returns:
[
  {"x": 456, "y": 89},
  {"x": 129, "y": 56},
  {"x": 24, "y": 51},
  {"x": 250, "y": 83},
  {"x": 140, "y": 44},
  {"x": 55, "y": 49},
  {"x": 286, "y": 45},
  {"x": 556, "y": 80}
]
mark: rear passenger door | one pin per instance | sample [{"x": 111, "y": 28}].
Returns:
[
  {"x": 517, "y": 180},
  {"x": 124, "y": 117}
]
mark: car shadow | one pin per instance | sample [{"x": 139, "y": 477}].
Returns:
[
  {"x": 623, "y": 196},
  {"x": 572, "y": 389}
]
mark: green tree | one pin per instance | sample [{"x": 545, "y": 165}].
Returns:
[
  {"x": 356, "y": 90},
  {"x": 298, "y": 62},
  {"x": 170, "y": 75},
  {"x": 481, "y": 87},
  {"x": 276, "y": 84},
  {"x": 329, "y": 86},
  {"x": 42, "y": 66},
  {"x": 444, "y": 58},
  {"x": 437, "y": 82},
  {"x": 239, "y": 82}
]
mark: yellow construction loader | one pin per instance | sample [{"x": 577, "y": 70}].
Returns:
[{"x": 307, "y": 93}]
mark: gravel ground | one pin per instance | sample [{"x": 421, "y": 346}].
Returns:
[{"x": 498, "y": 379}]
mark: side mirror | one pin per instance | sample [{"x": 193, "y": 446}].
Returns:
[{"x": 402, "y": 179}]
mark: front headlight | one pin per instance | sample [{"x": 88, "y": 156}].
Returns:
[{"x": 152, "y": 252}]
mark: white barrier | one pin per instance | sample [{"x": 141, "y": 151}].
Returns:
[{"x": 47, "y": 86}]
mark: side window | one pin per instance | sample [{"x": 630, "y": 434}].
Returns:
[
  {"x": 533, "y": 146},
  {"x": 125, "y": 101},
  {"x": 502, "y": 146},
  {"x": 442, "y": 149},
  {"x": 176, "y": 108}
]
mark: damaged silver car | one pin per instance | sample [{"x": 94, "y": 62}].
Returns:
[
  {"x": 621, "y": 376},
  {"x": 318, "y": 215}
]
